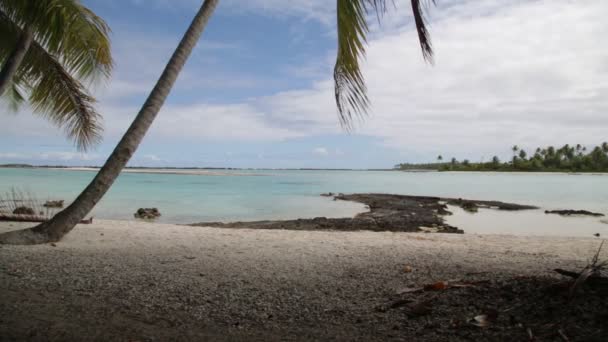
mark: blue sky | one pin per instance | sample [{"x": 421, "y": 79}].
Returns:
[{"x": 257, "y": 91}]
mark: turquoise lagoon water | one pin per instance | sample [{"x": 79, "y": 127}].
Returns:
[{"x": 282, "y": 194}]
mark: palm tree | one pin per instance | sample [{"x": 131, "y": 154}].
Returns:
[
  {"x": 522, "y": 154},
  {"x": 439, "y": 158},
  {"x": 48, "y": 48},
  {"x": 350, "y": 91}
]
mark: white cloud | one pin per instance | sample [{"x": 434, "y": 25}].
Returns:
[
  {"x": 320, "y": 151},
  {"x": 507, "y": 72},
  {"x": 12, "y": 155},
  {"x": 152, "y": 157},
  {"x": 54, "y": 156}
]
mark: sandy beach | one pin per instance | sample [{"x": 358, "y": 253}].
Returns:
[{"x": 136, "y": 281}]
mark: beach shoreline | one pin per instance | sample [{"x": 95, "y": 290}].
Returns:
[{"x": 138, "y": 280}]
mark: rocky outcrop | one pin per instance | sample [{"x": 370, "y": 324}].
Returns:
[
  {"x": 147, "y": 213},
  {"x": 397, "y": 213},
  {"x": 570, "y": 212},
  {"x": 473, "y": 205},
  {"x": 53, "y": 204},
  {"x": 23, "y": 210}
]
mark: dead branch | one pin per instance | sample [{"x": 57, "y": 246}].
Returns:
[{"x": 32, "y": 218}]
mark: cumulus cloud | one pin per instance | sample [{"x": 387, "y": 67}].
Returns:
[
  {"x": 152, "y": 157},
  {"x": 507, "y": 72},
  {"x": 53, "y": 156},
  {"x": 320, "y": 151}
]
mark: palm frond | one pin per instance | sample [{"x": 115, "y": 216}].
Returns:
[
  {"x": 349, "y": 84},
  {"x": 350, "y": 88},
  {"x": 63, "y": 100},
  {"x": 67, "y": 29},
  {"x": 423, "y": 32},
  {"x": 14, "y": 97},
  {"x": 53, "y": 92}
]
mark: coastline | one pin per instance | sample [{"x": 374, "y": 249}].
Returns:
[{"x": 137, "y": 280}]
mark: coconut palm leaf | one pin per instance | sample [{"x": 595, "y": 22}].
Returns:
[
  {"x": 67, "y": 29},
  {"x": 14, "y": 97},
  {"x": 53, "y": 92},
  {"x": 350, "y": 89}
]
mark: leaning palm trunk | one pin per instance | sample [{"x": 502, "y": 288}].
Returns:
[
  {"x": 64, "y": 221},
  {"x": 14, "y": 60}
]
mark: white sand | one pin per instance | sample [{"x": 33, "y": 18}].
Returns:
[{"x": 264, "y": 281}]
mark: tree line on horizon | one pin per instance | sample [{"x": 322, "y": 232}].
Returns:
[{"x": 568, "y": 158}]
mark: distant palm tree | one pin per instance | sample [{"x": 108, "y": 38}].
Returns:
[
  {"x": 439, "y": 158},
  {"x": 350, "y": 92},
  {"x": 522, "y": 154},
  {"x": 605, "y": 146},
  {"x": 48, "y": 47}
]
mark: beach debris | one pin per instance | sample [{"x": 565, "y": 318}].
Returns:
[
  {"x": 591, "y": 274},
  {"x": 441, "y": 285},
  {"x": 484, "y": 320},
  {"x": 147, "y": 213},
  {"x": 23, "y": 210},
  {"x": 53, "y": 204},
  {"x": 570, "y": 212},
  {"x": 409, "y": 290},
  {"x": 408, "y": 269},
  {"x": 596, "y": 234},
  {"x": 563, "y": 335},
  {"x": 438, "y": 286},
  {"x": 32, "y": 218},
  {"x": 469, "y": 206}
]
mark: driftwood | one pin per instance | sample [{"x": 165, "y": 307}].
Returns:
[
  {"x": 32, "y": 218},
  {"x": 592, "y": 280}
]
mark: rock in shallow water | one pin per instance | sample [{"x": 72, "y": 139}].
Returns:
[
  {"x": 147, "y": 213},
  {"x": 573, "y": 212},
  {"x": 53, "y": 204},
  {"x": 23, "y": 210}
]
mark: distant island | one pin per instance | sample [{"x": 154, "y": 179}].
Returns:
[{"x": 550, "y": 159}]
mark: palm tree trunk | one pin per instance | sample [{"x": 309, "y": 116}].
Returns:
[
  {"x": 64, "y": 221},
  {"x": 14, "y": 60}
]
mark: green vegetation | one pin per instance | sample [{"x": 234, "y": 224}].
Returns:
[
  {"x": 49, "y": 52},
  {"x": 550, "y": 159}
]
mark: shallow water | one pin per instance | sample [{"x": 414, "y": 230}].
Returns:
[
  {"x": 526, "y": 222},
  {"x": 280, "y": 194}
]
